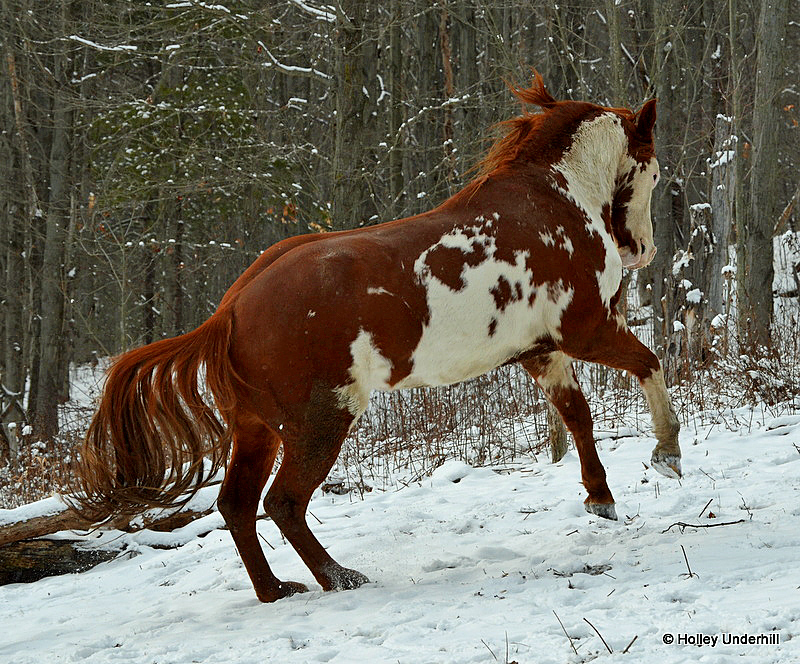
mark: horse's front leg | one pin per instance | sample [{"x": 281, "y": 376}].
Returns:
[
  {"x": 555, "y": 375},
  {"x": 615, "y": 346},
  {"x": 666, "y": 456}
]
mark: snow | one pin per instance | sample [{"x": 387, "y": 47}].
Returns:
[
  {"x": 694, "y": 296},
  {"x": 100, "y": 47},
  {"x": 467, "y": 565},
  {"x": 46, "y": 507},
  {"x": 328, "y": 14},
  {"x": 724, "y": 157},
  {"x": 718, "y": 321}
]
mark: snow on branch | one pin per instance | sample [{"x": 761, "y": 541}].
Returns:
[
  {"x": 321, "y": 14},
  {"x": 101, "y": 47},
  {"x": 292, "y": 69},
  {"x": 452, "y": 101},
  {"x": 210, "y": 7}
]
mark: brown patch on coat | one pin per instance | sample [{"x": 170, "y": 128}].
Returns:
[
  {"x": 504, "y": 293},
  {"x": 619, "y": 215},
  {"x": 447, "y": 264}
]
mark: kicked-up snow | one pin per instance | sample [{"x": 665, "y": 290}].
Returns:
[{"x": 469, "y": 565}]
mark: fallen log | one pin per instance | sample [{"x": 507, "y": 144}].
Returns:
[
  {"x": 31, "y": 560},
  {"x": 24, "y": 558},
  {"x": 42, "y": 525}
]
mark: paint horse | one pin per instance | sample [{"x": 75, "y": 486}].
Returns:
[{"x": 523, "y": 265}]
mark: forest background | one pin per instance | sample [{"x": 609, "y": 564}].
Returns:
[{"x": 149, "y": 151}]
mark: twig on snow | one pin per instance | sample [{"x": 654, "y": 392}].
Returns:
[
  {"x": 686, "y": 558},
  {"x": 704, "y": 508},
  {"x": 630, "y": 644},
  {"x": 682, "y": 525},
  {"x": 608, "y": 647},
  {"x": 564, "y": 629},
  {"x": 490, "y": 650}
]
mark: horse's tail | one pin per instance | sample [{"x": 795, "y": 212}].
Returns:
[{"x": 148, "y": 442}]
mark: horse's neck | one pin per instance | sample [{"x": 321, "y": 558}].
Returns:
[{"x": 591, "y": 164}]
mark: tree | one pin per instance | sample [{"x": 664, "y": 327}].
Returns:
[
  {"x": 351, "y": 194},
  {"x": 756, "y": 272}
]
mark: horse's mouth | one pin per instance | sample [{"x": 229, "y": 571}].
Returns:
[{"x": 635, "y": 260}]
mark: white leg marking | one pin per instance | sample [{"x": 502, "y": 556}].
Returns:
[{"x": 666, "y": 458}]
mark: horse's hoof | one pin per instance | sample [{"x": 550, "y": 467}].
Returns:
[
  {"x": 341, "y": 578},
  {"x": 669, "y": 465},
  {"x": 283, "y": 589},
  {"x": 605, "y": 510},
  {"x": 293, "y": 587}
]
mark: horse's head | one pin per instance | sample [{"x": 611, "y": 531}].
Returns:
[{"x": 638, "y": 174}]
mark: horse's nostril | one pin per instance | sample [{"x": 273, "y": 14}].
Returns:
[{"x": 642, "y": 245}]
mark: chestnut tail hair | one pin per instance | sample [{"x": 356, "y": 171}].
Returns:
[{"x": 148, "y": 442}]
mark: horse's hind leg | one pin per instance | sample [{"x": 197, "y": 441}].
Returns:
[
  {"x": 555, "y": 375},
  {"x": 617, "y": 347},
  {"x": 310, "y": 450},
  {"x": 254, "y": 450}
]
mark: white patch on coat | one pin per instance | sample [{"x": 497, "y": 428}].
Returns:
[
  {"x": 558, "y": 373},
  {"x": 560, "y": 240},
  {"x": 369, "y": 371},
  {"x": 563, "y": 241},
  {"x": 591, "y": 167},
  {"x": 378, "y": 291},
  {"x": 456, "y": 344}
]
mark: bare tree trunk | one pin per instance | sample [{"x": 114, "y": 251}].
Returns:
[
  {"x": 722, "y": 191},
  {"x": 757, "y": 273},
  {"x": 395, "y": 142},
  {"x": 449, "y": 93},
  {"x": 12, "y": 375},
  {"x": 19, "y": 249},
  {"x": 50, "y": 378},
  {"x": 618, "y": 86},
  {"x": 349, "y": 191},
  {"x": 427, "y": 131},
  {"x": 667, "y": 198}
]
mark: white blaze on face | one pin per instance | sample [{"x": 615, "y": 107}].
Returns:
[{"x": 590, "y": 168}]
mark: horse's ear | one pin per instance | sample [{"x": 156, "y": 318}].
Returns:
[
  {"x": 646, "y": 120},
  {"x": 536, "y": 94}
]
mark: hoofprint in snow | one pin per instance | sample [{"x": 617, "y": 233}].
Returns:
[{"x": 469, "y": 565}]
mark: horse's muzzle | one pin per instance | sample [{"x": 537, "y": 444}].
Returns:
[{"x": 635, "y": 260}]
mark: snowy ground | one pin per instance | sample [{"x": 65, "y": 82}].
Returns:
[{"x": 469, "y": 571}]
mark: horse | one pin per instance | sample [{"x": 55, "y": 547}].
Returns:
[{"x": 523, "y": 265}]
